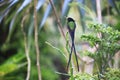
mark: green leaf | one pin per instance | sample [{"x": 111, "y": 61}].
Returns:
[
  {"x": 12, "y": 64},
  {"x": 56, "y": 49}
]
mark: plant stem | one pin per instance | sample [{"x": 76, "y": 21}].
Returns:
[
  {"x": 26, "y": 48},
  {"x": 36, "y": 40}
]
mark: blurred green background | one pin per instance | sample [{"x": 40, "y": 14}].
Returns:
[{"x": 52, "y": 45}]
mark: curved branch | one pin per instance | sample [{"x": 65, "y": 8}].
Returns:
[{"x": 36, "y": 40}]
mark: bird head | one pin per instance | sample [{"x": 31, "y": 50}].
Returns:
[
  {"x": 69, "y": 19},
  {"x": 71, "y": 23}
]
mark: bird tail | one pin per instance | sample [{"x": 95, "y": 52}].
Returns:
[{"x": 76, "y": 56}]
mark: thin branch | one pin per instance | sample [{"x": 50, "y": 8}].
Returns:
[
  {"x": 36, "y": 40},
  {"x": 26, "y": 47}
]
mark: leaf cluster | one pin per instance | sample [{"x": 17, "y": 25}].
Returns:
[
  {"x": 108, "y": 44},
  {"x": 112, "y": 74}
]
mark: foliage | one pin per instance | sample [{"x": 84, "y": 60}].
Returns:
[
  {"x": 12, "y": 13},
  {"x": 108, "y": 45},
  {"x": 12, "y": 55},
  {"x": 82, "y": 76},
  {"x": 52, "y": 75},
  {"x": 12, "y": 64},
  {"x": 112, "y": 74},
  {"x": 85, "y": 76}
]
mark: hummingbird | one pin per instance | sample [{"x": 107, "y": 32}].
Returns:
[{"x": 71, "y": 29}]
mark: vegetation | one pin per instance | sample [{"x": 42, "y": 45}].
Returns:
[
  {"x": 33, "y": 44},
  {"x": 108, "y": 45},
  {"x": 112, "y": 74}
]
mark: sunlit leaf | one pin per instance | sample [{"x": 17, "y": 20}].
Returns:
[
  {"x": 65, "y": 7},
  {"x": 8, "y": 68},
  {"x": 12, "y": 64},
  {"x": 25, "y": 3},
  {"x": 46, "y": 14},
  {"x": 14, "y": 1},
  {"x": 82, "y": 14},
  {"x": 15, "y": 59},
  {"x": 40, "y": 3},
  {"x": 11, "y": 27},
  {"x": 62, "y": 74},
  {"x": 5, "y": 12}
]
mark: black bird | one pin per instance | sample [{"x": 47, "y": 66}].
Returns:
[{"x": 71, "y": 28}]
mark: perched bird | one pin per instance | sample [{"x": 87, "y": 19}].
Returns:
[{"x": 71, "y": 28}]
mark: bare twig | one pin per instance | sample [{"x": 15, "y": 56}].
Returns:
[
  {"x": 36, "y": 40},
  {"x": 26, "y": 47}
]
